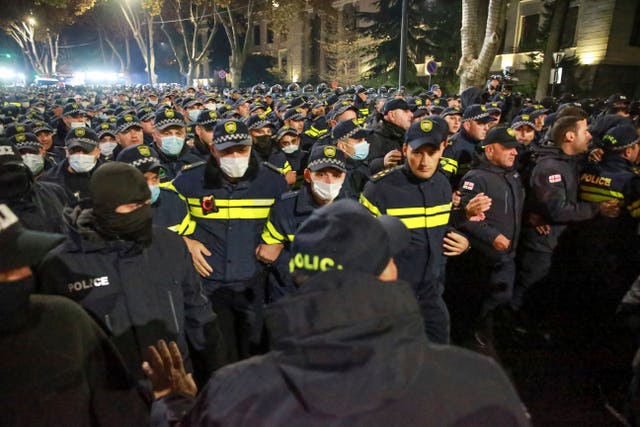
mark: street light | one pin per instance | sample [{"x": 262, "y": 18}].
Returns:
[
  {"x": 31, "y": 21},
  {"x": 557, "y": 59}
]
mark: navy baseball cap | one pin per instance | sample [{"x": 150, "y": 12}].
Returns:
[
  {"x": 127, "y": 121},
  {"x": 285, "y": 130},
  {"x": 105, "y": 128},
  {"x": 478, "y": 113},
  {"x": 620, "y": 137},
  {"x": 522, "y": 120},
  {"x": 229, "y": 133},
  {"x": 349, "y": 129},
  {"x": 142, "y": 157},
  {"x": 258, "y": 121},
  {"x": 345, "y": 236},
  {"x": 431, "y": 130},
  {"x": 168, "y": 117},
  {"x": 83, "y": 137},
  {"x": 326, "y": 156},
  {"x": 502, "y": 135},
  {"x": 26, "y": 141},
  {"x": 451, "y": 111},
  {"x": 207, "y": 118}
]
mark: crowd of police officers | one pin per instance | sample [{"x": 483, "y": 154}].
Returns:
[{"x": 520, "y": 212}]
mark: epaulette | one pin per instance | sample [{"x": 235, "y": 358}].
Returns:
[
  {"x": 289, "y": 195},
  {"x": 193, "y": 165},
  {"x": 382, "y": 174}
]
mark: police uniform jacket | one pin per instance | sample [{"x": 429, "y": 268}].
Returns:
[
  {"x": 77, "y": 184},
  {"x": 228, "y": 217},
  {"x": 385, "y": 137},
  {"x": 458, "y": 155},
  {"x": 286, "y": 215},
  {"x": 358, "y": 175},
  {"x": 553, "y": 196},
  {"x": 41, "y": 207},
  {"x": 137, "y": 294},
  {"x": 423, "y": 206},
  {"x": 171, "y": 166},
  {"x": 333, "y": 365}
]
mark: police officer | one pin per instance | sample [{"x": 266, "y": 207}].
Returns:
[
  {"x": 39, "y": 204},
  {"x": 115, "y": 263},
  {"x": 32, "y": 152},
  {"x": 228, "y": 199},
  {"x": 128, "y": 131},
  {"x": 83, "y": 158},
  {"x": 349, "y": 137},
  {"x": 458, "y": 154},
  {"x": 453, "y": 116},
  {"x": 324, "y": 178},
  {"x": 388, "y": 135},
  {"x": 260, "y": 130},
  {"x": 288, "y": 142},
  {"x": 203, "y": 133},
  {"x": 44, "y": 132},
  {"x": 421, "y": 197},
  {"x": 482, "y": 280},
  {"x": 169, "y": 142}
]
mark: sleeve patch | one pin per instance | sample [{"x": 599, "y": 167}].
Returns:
[
  {"x": 468, "y": 185},
  {"x": 555, "y": 178}
]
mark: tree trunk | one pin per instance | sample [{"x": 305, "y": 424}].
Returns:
[
  {"x": 474, "y": 66},
  {"x": 235, "y": 67},
  {"x": 560, "y": 10},
  {"x": 153, "y": 78}
]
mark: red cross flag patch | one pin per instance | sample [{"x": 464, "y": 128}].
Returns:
[
  {"x": 555, "y": 178},
  {"x": 468, "y": 185}
]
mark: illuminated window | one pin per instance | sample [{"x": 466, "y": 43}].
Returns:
[{"x": 529, "y": 33}]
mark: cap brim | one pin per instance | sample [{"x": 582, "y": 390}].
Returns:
[
  {"x": 85, "y": 146},
  {"x": 508, "y": 144},
  {"x": 398, "y": 233},
  {"x": 168, "y": 124},
  {"x": 518, "y": 125},
  {"x": 323, "y": 165},
  {"x": 129, "y": 126},
  {"x": 28, "y": 248},
  {"x": 487, "y": 119},
  {"x": 417, "y": 143},
  {"x": 224, "y": 145}
]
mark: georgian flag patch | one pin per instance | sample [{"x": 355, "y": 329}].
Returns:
[
  {"x": 555, "y": 178},
  {"x": 468, "y": 185}
]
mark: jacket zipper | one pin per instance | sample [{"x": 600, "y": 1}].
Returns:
[
  {"x": 173, "y": 311},
  {"x": 107, "y": 321}
]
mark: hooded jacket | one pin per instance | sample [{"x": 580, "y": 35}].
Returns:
[
  {"x": 336, "y": 363},
  {"x": 386, "y": 137},
  {"x": 137, "y": 294}
]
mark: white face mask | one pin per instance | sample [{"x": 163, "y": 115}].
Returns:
[
  {"x": 106, "y": 148},
  {"x": 210, "y": 106},
  {"x": 81, "y": 162},
  {"x": 326, "y": 192},
  {"x": 234, "y": 167},
  {"x": 290, "y": 148},
  {"x": 75, "y": 125},
  {"x": 154, "y": 103},
  {"x": 34, "y": 162}
]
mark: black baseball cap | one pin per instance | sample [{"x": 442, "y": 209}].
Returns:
[
  {"x": 478, "y": 113},
  {"x": 395, "y": 104},
  {"x": 502, "y": 135},
  {"x": 431, "y": 130},
  {"x": 22, "y": 247},
  {"x": 345, "y": 236},
  {"x": 620, "y": 137}
]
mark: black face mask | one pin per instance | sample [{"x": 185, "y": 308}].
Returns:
[
  {"x": 14, "y": 296},
  {"x": 133, "y": 226},
  {"x": 15, "y": 181},
  {"x": 263, "y": 145}
]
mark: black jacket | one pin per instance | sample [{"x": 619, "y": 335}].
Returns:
[
  {"x": 333, "y": 365},
  {"x": 504, "y": 188},
  {"x": 59, "y": 368},
  {"x": 138, "y": 295},
  {"x": 40, "y": 208},
  {"x": 75, "y": 183},
  {"x": 385, "y": 137}
]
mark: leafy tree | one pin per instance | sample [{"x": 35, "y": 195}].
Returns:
[
  {"x": 476, "y": 58},
  {"x": 190, "y": 26}
]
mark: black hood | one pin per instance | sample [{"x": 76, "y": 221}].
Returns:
[{"x": 346, "y": 334}]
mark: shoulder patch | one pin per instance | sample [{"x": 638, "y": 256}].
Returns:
[
  {"x": 193, "y": 165},
  {"x": 555, "y": 178},
  {"x": 381, "y": 174},
  {"x": 468, "y": 185}
]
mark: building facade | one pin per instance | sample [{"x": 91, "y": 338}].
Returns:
[{"x": 600, "y": 41}]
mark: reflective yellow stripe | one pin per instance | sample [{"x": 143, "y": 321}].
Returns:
[
  {"x": 361, "y": 120},
  {"x": 290, "y": 237},
  {"x": 426, "y": 221},
  {"x": 272, "y": 236},
  {"x": 187, "y": 226},
  {"x": 635, "y": 213},
  {"x": 312, "y": 132},
  {"x": 230, "y": 213},
  {"x": 597, "y": 194},
  {"x": 420, "y": 210},
  {"x": 230, "y": 203},
  {"x": 367, "y": 204},
  {"x": 634, "y": 205},
  {"x": 449, "y": 165},
  {"x": 286, "y": 168}
]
